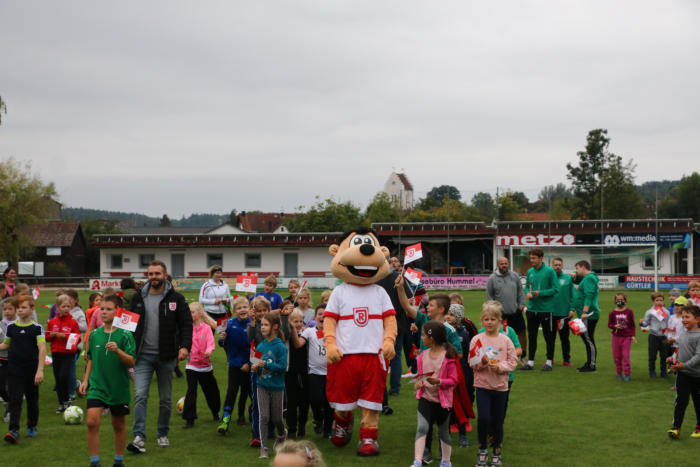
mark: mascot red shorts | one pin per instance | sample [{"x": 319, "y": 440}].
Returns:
[{"x": 357, "y": 380}]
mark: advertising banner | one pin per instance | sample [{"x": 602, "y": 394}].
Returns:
[{"x": 454, "y": 282}]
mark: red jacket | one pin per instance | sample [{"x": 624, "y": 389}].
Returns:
[{"x": 66, "y": 325}]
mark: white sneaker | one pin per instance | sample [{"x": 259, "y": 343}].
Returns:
[
  {"x": 163, "y": 442},
  {"x": 137, "y": 446},
  {"x": 408, "y": 374}
]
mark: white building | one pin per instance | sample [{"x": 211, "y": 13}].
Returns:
[
  {"x": 189, "y": 255},
  {"x": 399, "y": 190}
]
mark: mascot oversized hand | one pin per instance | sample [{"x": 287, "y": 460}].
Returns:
[{"x": 359, "y": 330}]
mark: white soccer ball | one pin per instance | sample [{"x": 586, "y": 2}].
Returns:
[{"x": 73, "y": 415}]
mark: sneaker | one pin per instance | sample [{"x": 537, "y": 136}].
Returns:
[
  {"x": 463, "y": 441},
  {"x": 12, "y": 436},
  {"x": 582, "y": 368},
  {"x": 587, "y": 369},
  {"x": 368, "y": 447},
  {"x": 62, "y": 408},
  {"x": 696, "y": 433},
  {"x": 674, "y": 433},
  {"x": 95, "y": 464},
  {"x": 342, "y": 434},
  {"x": 188, "y": 424},
  {"x": 263, "y": 453},
  {"x": 241, "y": 421},
  {"x": 118, "y": 464},
  {"x": 416, "y": 464},
  {"x": 387, "y": 410},
  {"x": 496, "y": 458},
  {"x": 444, "y": 463},
  {"x": 409, "y": 374},
  {"x": 223, "y": 426},
  {"x": 31, "y": 432},
  {"x": 163, "y": 442},
  {"x": 137, "y": 446},
  {"x": 255, "y": 443},
  {"x": 629, "y": 378},
  {"x": 526, "y": 367},
  {"x": 619, "y": 377},
  {"x": 481, "y": 458},
  {"x": 427, "y": 457},
  {"x": 547, "y": 367},
  {"x": 567, "y": 364},
  {"x": 280, "y": 440}
]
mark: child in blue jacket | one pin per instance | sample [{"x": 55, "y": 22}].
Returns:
[
  {"x": 235, "y": 341},
  {"x": 271, "y": 364}
]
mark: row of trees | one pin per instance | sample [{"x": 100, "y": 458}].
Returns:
[{"x": 602, "y": 186}]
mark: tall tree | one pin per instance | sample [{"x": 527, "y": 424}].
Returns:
[
  {"x": 437, "y": 194},
  {"x": 508, "y": 207},
  {"x": 586, "y": 177},
  {"x": 450, "y": 210},
  {"x": 92, "y": 227},
  {"x": 326, "y": 216},
  {"x": 549, "y": 195},
  {"x": 165, "y": 221},
  {"x": 382, "y": 209},
  {"x": 621, "y": 200},
  {"x": 24, "y": 201},
  {"x": 682, "y": 200},
  {"x": 485, "y": 206}
]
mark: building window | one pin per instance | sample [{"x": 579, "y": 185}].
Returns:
[
  {"x": 649, "y": 261},
  {"x": 252, "y": 260},
  {"x": 215, "y": 258},
  {"x": 115, "y": 261},
  {"x": 145, "y": 260},
  {"x": 53, "y": 251}
]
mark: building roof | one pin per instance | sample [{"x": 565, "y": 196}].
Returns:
[
  {"x": 54, "y": 233},
  {"x": 406, "y": 184},
  {"x": 216, "y": 240},
  {"x": 262, "y": 222},
  {"x": 596, "y": 225},
  {"x": 168, "y": 230}
]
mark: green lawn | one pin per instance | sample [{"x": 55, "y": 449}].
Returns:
[{"x": 557, "y": 418}]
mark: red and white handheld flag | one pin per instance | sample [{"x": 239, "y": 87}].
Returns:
[
  {"x": 659, "y": 313},
  {"x": 255, "y": 356},
  {"x": 413, "y": 276},
  {"x": 246, "y": 283},
  {"x": 221, "y": 324},
  {"x": 36, "y": 293},
  {"x": 72, "y": 340},
  {"x": 412, "y": 253},
  {"x": 415, "y": 351},
  {"x": 126, "y": 320},
  {"x": 475, "y": 353},
  {"x": 577, "y": 326}
]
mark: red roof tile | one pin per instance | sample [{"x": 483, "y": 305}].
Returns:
[{"x": 262, "y": 222}]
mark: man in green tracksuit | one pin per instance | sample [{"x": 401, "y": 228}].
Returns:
[
  {"x": 541, "y": 286},
  {"x": 585, "y": 306},
  {"x": 562, "y": 307}
]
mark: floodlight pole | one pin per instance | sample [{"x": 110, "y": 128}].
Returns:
[{"x": 656, "y": 242}]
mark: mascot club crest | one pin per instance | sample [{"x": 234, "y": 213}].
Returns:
[{"x": 361, "y": 316}]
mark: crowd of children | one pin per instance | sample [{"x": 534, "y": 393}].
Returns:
[{"x": 276, "y": 360}]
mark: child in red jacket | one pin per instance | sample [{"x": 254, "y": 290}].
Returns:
[{"x": 64, "y": 334}]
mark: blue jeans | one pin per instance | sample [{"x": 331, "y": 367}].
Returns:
[
  {"x": 143, "y": 373},
  {"x": 395, "y": 366}
]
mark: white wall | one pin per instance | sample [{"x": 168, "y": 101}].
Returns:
[{"x": 272, "y": 259}]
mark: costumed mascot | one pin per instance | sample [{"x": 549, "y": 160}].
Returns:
[{"x": 359, "y": 328}]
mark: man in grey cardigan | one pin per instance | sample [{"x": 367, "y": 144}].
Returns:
[{"x": 504, "y": 286}]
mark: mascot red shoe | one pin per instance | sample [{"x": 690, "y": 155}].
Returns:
[{"x": 359, "y": 329}]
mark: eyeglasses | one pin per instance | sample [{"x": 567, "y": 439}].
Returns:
[{"x": 216, "y": 270}]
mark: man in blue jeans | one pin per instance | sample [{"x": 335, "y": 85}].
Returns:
[{"x": 163, "y": 335}]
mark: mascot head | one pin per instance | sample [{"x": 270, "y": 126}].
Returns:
[{"x": 359, "y": 259}]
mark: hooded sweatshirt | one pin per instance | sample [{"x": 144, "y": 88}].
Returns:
[
  {"x": 587, "y": 294},
  {"x": 274, "y": 354},
  {"x": 507, "y": 289}
]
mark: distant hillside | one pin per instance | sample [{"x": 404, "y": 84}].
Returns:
[
  {"x": 654, "y": 190},
  {"x": 141, "y": 220}
]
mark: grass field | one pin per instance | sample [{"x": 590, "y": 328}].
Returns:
[{"x": 558, "y": 418}]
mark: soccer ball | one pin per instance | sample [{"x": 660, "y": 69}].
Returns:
[
  {"x": 73, "y": 415},
  {"x": 180, "y": 404}
]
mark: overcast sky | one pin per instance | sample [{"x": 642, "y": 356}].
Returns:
[{"x": 180, "y": 107}]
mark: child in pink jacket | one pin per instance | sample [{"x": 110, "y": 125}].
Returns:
[
  {"x": 492, "y": 357},
  {"x": 199, "y": 368},
  {"x": 437, "y": 373}
]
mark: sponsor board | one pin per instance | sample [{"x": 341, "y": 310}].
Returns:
[
  {"x": 101, "y": 284},
  {"x": 536, "y": 240},
  {"x": 666, "y": 240},
  {"x": 312, "y": 283},
  {"x": 608, "y": 282},
  {"x": 454, "y": 282}
]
